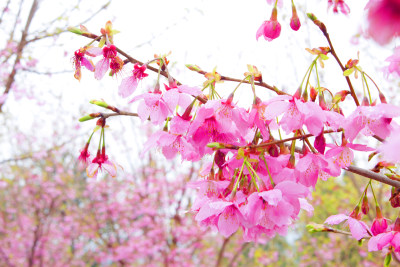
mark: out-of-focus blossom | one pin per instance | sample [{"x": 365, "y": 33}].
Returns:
[{"x": 384, "y": 19}]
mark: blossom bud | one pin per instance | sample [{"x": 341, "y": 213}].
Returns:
[
  {"x": 395, "y": 197},
  {"x": 298, "y": 93},
  {"x": 294, "y": 21},
  {"x": 379, "y": 225},
  {"x": 365, "y": 205},
  {"x": 193, "y": 67},
  {"x": 313, "y": 228},
  {"x": 365, "y": 101},
  {"x": 382, "y": 98},
  {"x": 219, "y": 158},
  {"x": 89, "y": 117},
  {"x": 320, "y": 143},
  {"x": 292, "y": 162},
  {"x": 355, "y": 213},
  {"x": 74, "y": 30},
  {"x": 215, "y": 145},
  {"x": 396, "y": 226},
  {"x": 313, "y": 93}
]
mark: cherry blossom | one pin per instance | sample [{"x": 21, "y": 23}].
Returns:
[
  {"x": 384, "y": 20},
  {"x": 270, "y": 29}
]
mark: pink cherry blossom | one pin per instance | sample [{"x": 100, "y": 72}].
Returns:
[
  {"x": 339, "y": 5},
  {"x": 129, "y": 84},
  {"x": 109, "y": 52},
  {"x": 153, "y": 106},
  {"x": 84, "y": 155},
  {"x": 384, "y": 240},
  {"x": 270, "y": 29},
  {"x": 80, "y": 60},
  {"x": 384, "y": 20},
  {"x": 343, "y": 155},
  {"x": 101, "y": 162},
  {"x": 379, "y": 225},
  {"x": 358, "y": 228}
]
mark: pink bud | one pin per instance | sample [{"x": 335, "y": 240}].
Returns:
[
  {"x": 294, "y": 21},
  {"x": 379, "y": 225}
]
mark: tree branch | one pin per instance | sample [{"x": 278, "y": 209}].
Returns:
[{"x": 20, "y": 48}]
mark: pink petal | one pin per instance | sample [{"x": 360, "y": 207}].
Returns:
[
  {"x": 358, "y": 228},
  {"x": 87, "y": 63},
  {"x": 110, "y": 167},
  {"x": 101, "y": 68},
  {"x": 92, "y": 170},
  {"x": 228, "y": 221},
  {"x": 128, "y": 86},
  {"x": 336, "y": 219},
  {"x": 272, "y": 196}
]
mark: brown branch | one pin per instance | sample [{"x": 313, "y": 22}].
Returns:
[
  {"x": 322, "y": 27},
  {"x": 372, "y": 175},
  {"x": 237, "y": 254},
  {"x": 262, "y": 84},
  {"x": 20, "y": 48},
  {"x": 221, "y": 251}
]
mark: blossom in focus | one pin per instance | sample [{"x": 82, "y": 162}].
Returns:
[
  {"x": 109, "y": 53},
  {"x": 270, "y": 29},
  {"x": 358, "y": 228},
  {"x": 129, "y": 84},
  {"x": 294, "y": 20},
  {"x": 84, "y": 156},
  {"x": 101, "y": 162},
  {"x": 339, "y": 5},
  {"x": 383, "y": 240},
  {"x": 384, "y": 20},
  {"x": 79, "y": 60},
  {"x": 379, "y": 225}
]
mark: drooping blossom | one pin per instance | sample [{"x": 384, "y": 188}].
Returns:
[
  {"x": 101, "y": 162},
  {"x": 358, "y": 228},
  {"x": 84, "y": 155},
  {"x": 109, "y": 52},
  {"x": 270, "y": 29},
  {"x": 379, "y": 225},
  {"x": 383, "y": 240},
  {"x": 384, "y": 20},
  {"x": 225, "y": 215},
  {"x": 129, "y": 84},
  {"x": 339, "y": 5},
  {"x": 79, "y": 60},
  {"x": 294, "y": 20}
]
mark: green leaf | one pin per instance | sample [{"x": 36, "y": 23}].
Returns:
[
  {"x": 75, "y": 30},
  {"x": 324, "y": 57},
  {"x": 348, "y": 72},
  {"x": 388, "y": 259}
]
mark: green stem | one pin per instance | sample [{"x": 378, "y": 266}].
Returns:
[
  {"x": 269, "y": 173},
  {"x": 373, "y": 193},
  {"x": 316, "y": 71},
  {"x": 239, "y": 177}
]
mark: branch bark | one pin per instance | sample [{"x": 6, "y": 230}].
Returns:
[{"x": 20, "y": 48}]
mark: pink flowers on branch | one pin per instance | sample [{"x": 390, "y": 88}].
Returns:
[{"x": 262, "y": 162}]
